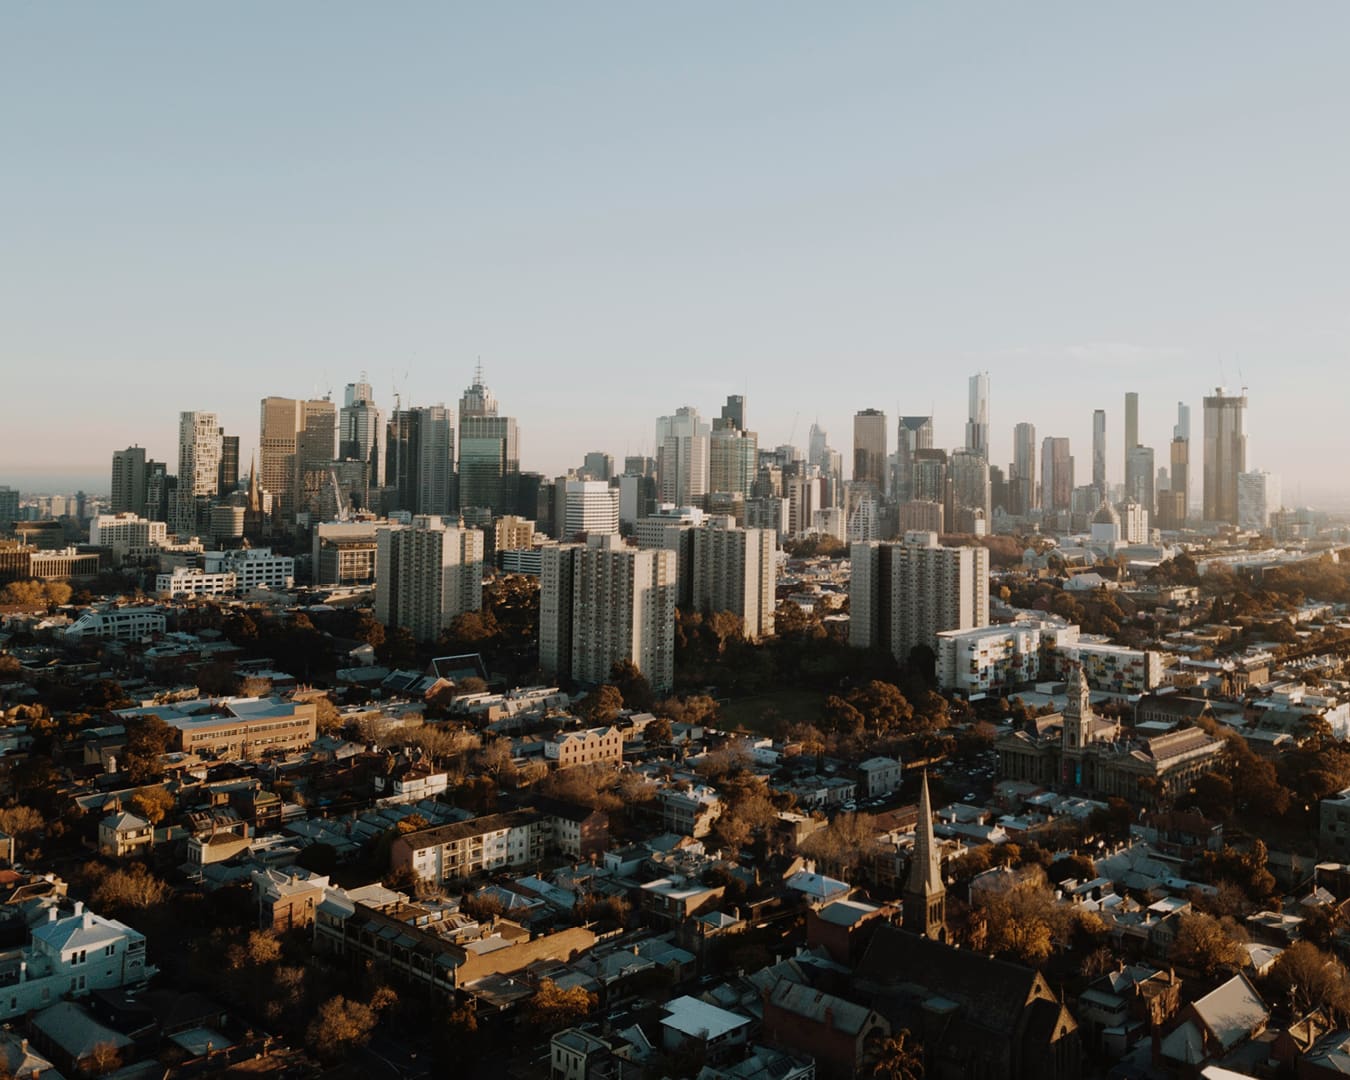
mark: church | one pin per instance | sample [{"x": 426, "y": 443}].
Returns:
[{"x": 1082, "y": 753}]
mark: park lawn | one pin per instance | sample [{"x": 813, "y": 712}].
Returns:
[{"x": 795, "y": 706}]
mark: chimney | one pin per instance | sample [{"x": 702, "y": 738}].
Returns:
[
  {"x": 51, "y": 914},
  {"x": 79, "y": 907}
]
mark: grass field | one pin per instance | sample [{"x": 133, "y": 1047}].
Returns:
[{"x": 795, "y": 706}]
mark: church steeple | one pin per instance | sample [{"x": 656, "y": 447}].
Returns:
[
  {"x": 925, "y": 897},
  {"x": 1078, "y": 715}
]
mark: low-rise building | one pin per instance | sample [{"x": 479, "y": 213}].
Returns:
[
  {"x": 592, "y": 746},
  {"x": 692, "y": 812},
  {"x": 123, "y": 834},
  {"x": 117, "y": 623},
  {"x": 879, "y": 776},
  {"x": 234, "y": 726}
]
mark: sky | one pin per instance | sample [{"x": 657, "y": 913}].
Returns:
[{"x": 625, "y": 208}]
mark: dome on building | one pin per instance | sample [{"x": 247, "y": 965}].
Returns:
[{"x": 1106, "y": 515}]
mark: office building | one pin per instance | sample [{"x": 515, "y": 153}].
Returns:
[
  {"x": 127, "y": 493},
  {"x": 733, "y": 460},
  {"x": 227, "y": 482},
  {"x": 295, "y": 449},
  {"x": 600, "y": 603},
  {"x": 869, "y": 449},
  {"x": 903, "y": 595},
  {"x": 1225, "y": 454},
  {"x": 1140, "y": 476},
  {"x": 233, "y": 727},
  {"x": 419, "y": 460},
  {"x": 1099, "y": 452},
  {"x": 1258, "y": 499},
  {"x": 1022, "y": 474},
  {"x": 9, "y": 507},
  {"x": 1056, "y": 474},
  {"x": 671, "y": 528},
  {"x": 361, "y": 434},
  {"x": 928, "y": 477},
  {"x": 198, "y": 469},
  {"x": 130, "y": 537},
  {"x": 344, "y": 552},
  {"x": 734, "y": 570},
  {"x": 828, "y": 461},
  {"x": 489, "y": 451},
  {"x": 597, "y": 465},
  {"x": 1131, "y": 421},
  {"x": 972, "y": 499},
  {"x": 977, "y": 424},
  {"x": 591, "y": 508},
  {"x": 682, "y": 457},
  {"x": 426, "y": 574},
  {"x": 914, "y": 433}
]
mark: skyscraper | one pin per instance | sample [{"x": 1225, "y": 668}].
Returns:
[
  {"x": 914, "y": 433},
  {"x": 682, "y": 457},
  {"x": 1173, "y": 507},
  {"x": 971, "y": 493},
  {"x": 419, "y": 459},
  {"x": 733, "y": 412},
  {"x": 1258, "y": 498},
  {"x": 734, "y": 570},
  {"x": 1131, "y": 421},
  {"x": 977, "y": 426},
  {"x": 869, "y": 449},
  {"x": 1139, "y": 476},
  {"x": 198, "y": 468},
  {"x": 1056, "y": 474},
  {"x": 489, "y": 451},
  {"x": 227, "y": 481},
  {"x": 602, "y": 602},
  {"x": 295, "y": 450},
  {"x": 902, "y": 595},
  {"x": 426, "y": 574},
  {"x": 590, "y": 508},
  {"x": 1225, "y": 454},
  {"x": 360, "y": 432},
  {"x": 127, "y": 494},
  {"x": 1022, "y": 475},
  {"x": 1099, "y": 452}
]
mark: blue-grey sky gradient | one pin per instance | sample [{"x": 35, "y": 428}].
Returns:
[{"x": 623, "y": 208}]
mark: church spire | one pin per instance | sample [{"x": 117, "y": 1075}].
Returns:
[{"x": 925, "y": 897}]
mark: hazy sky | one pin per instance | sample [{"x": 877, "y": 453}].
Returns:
[{"x": 623, "y": 208}]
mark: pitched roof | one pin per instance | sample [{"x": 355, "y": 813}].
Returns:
[{"x": 811, "y": 1004}]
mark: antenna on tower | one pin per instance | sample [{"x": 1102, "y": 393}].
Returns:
[{"x": 478, "y": 372}]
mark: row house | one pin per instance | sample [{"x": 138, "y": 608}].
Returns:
[{"x": 593, "y": 746}]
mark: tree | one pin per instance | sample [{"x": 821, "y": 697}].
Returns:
[
  {"x": 897, "y": 1059},
  {"x": 658, "y": 732},
  {"x": 1306, "y": 978},
  {"x": 553, "y": 1008},
  {"x": 601, "y": 706},
  {"x": 327, "y": 719},
  {"x": 152, "y": 803},
  {"x": 148, "y": 739},
  {"x": 129, "y": 888},
  {"x": 23, "y": 823},
  {"x": 632, "y": 685},
  {"x": 1206, "y": 944},
  {"x": 104, "y": 1058},
  {"x": 341, "y": 1026}
]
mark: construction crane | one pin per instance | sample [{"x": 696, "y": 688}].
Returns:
[{"x": 344, "y": 510}]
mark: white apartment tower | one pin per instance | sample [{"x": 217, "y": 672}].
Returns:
[
  {"x": 602, "y": 602},
  {"x": 199, "y": 446},
  {"x": 1258, "y": 498},
  {"x": 426, "y": 574},
  {"x": 734, "y": 570},
  {"x": 903, "y": 595}
]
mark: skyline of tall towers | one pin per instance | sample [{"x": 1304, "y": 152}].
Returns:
[
  {"x": 198, "y": 467},
  {"x": 1099, "y": 452},
  {"x": 1225, "y": 454},
  {"x": 869, "y": 449},
  {"x": 296, "y": 438},
  {"x": 1022, "y": 473},
  {"x": 977, "y": 423},
  {"x": 683, "y": 450}
]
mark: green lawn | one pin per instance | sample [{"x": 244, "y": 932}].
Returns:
[{"x": 795, "y": 706}]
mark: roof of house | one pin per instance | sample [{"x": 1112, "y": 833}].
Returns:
[
  {"x": 810, "y": 1004},
  {"x": 690, "y": 1016}
]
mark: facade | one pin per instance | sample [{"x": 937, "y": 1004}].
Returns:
[
  {"x": 1080, "y": 752},
  {"x": 199, "y": 450},
  {"x": 193, "y": 581},
  {"x": 344, "y": 552},
  {"x": 1334, "y": 827},
  {"x": 879, "y": 776},
  {"x": 361, "y": 434},
  {"x": 1258, "y": 498},
  {"x": 869, "y": 449},
  {"x": 733, "y": 459},
  {"x": 1131, "y": 423},
  {"x": 903, "y": 595},
  {"x": 127, "y": 491},
  {"x": 123, "y": 833},
  {"x": 70, "y": 956},
  {"x": 591, "y": 508},
  {"x": 914, "y": 433},
  {"x": 977, "y": 422},
  {"x": 426, "y": 574},
  {"x": 254, "y": 568},
  {"x": 1140, "y": 476},
  {"x": 131, "y": 623},
  {"x": 971, "y": 492},
  {"x": 130, "y": 537},
  {"x": 839, "y": 1034},
  {"x": 1056, "y": 474},
  {"x": 419, "y": 464},
  {"x": 734, "y": 570},
  {"x": 234, "y": 726},
  {"x": 603, "y": 602},
  {"x": 592, "y": 746},
  {"x": 480, "y": 845},
  {"x": 1022, "y": 474},
  {"x": 295, "y": 438},
  {"x": 1099, "y": 452},
  {"x": 682, "y": 457},
  {"x": 489, "y": 462},
  {"x": 1225, "y": 454}
]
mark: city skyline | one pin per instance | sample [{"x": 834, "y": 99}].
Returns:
[{"x": 581, "y": 199}]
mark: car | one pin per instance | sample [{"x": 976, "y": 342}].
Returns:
[{"x": 969, "y": 796}]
